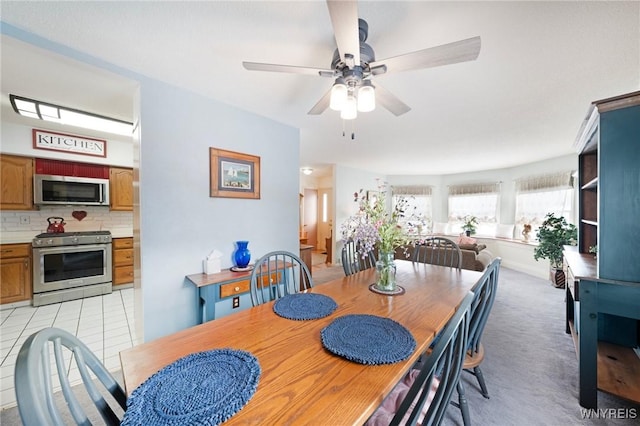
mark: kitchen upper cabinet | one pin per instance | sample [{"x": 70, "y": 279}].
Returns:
[
  {"x": 16, "y": 175},
  {"x": 15, "y": 272},
  {"x": 121, "y": 189}
]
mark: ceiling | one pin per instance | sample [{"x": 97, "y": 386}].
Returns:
[{"x": 522, "y": 100}]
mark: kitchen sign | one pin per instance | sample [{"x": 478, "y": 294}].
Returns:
[{"x": 69, "y": 143}]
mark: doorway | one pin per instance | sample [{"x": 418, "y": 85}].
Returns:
[{"x": 310, "y": 218}]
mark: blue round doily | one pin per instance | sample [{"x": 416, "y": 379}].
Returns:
[
  {"x": 368, "y": 339},
  {"x": 304, "y": 306},
  {"x": 205, "y": 388}
]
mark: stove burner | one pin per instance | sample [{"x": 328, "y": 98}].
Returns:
[
  {"x": 53, "y": 239},
  {"x": 72, "y": 234}
]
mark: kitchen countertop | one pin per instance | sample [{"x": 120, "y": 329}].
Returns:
[{"x": 17, "y": 237}]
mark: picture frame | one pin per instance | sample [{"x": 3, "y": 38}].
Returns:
[{"x": 233, "y": 174}]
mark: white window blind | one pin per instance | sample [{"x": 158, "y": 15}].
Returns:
[{"x": 551, "y": 181}]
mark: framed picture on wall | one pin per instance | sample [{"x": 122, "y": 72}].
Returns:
[{"x": 233, "y": 174}]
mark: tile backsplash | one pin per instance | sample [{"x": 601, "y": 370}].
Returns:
[{"x": 97, "y": 219}]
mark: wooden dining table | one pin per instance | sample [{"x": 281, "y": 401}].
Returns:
[{"x": 301, "y": 382}]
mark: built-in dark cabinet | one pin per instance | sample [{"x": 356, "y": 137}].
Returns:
[
  {"x": 603, "y": 291},
  {"x": 609, "y": 178}
]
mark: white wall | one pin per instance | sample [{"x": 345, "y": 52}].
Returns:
[{"x": 179, "y": 223}]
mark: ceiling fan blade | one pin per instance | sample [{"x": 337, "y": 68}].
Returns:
[
  {"x": 257, "y": 66},
  {"x": 322, "y": 104},
  {"x": 344, "y": 18},
  {"x": 451, "y": 53},
  {"x": 390, "y": 101}
]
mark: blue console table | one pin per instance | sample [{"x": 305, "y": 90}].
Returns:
[
  {"x": 225, "y": 292},
  {"x": 221, "y": 294}
]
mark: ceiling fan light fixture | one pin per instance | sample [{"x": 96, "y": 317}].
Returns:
[
  {"x": 338, "y": 95},
  {"x": 366, "y": 97},
  {"x": 350, "y": 109}
]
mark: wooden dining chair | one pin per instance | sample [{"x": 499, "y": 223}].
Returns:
[
  {"x": 35, "y": 387},
  {"x": 438, "y": 251},
  {"x": 353, "y": 261},
  {"x": 276, "y": 274},
  {"x": 485, "y": 293},
  {"x": 423, "y": 395}
]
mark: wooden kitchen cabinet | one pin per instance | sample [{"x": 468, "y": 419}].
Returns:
[
  {"x": 121, "y": 189},
  {"x": 122, "y": 261},
  {"x": 15, "y": 273},
  {"x": 16, "y": 175}
]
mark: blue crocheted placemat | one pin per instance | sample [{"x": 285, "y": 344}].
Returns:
[
  {"x": 304, "y": 306},
  {"x": 205, "y": 388},
  {"x": 368, "y": 339}
]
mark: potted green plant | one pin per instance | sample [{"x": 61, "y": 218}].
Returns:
[
  {"x": 470, "y": 224},
  {"x": 553, "y": 234}
]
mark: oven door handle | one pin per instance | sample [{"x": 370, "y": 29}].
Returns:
[{"x": 71, "y": 248}]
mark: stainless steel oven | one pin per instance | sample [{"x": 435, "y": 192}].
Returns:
[{"x": 71, "y": 265}]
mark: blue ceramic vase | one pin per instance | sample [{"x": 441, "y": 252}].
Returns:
[{"x": 242, "y": 256}]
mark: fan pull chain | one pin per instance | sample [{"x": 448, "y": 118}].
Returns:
[{"x": 344, "y": 132}]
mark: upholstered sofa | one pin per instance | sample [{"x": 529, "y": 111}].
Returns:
[{"x": 475, "y": 257}]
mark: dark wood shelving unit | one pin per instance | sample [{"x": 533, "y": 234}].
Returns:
[
  {"x": 588, "y": 197},
  {"x": 592, "y": 184}
]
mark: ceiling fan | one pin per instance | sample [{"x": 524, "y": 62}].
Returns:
[{"x": 354, "y": 64}]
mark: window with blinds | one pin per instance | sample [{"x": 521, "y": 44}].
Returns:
[
  {"x": 479, "y": 200},
  {"x": 417, "y": 203},
  {"x": 538, "y": 195}
]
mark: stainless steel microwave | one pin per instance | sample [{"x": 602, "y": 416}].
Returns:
[{"x": 70, "y": 190}]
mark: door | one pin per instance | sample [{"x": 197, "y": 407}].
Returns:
[{"x": 310, "y": 222}]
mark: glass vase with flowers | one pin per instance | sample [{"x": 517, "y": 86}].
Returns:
[{"x": 374, "y": 227}]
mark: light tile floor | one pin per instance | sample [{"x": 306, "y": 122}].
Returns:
[{"x": 104, "y": 323}]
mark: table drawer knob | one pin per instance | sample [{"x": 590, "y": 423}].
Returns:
[{"x": 237, "y": 288}]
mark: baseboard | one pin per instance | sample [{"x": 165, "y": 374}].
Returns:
[{"x": 15, "y": 305}]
